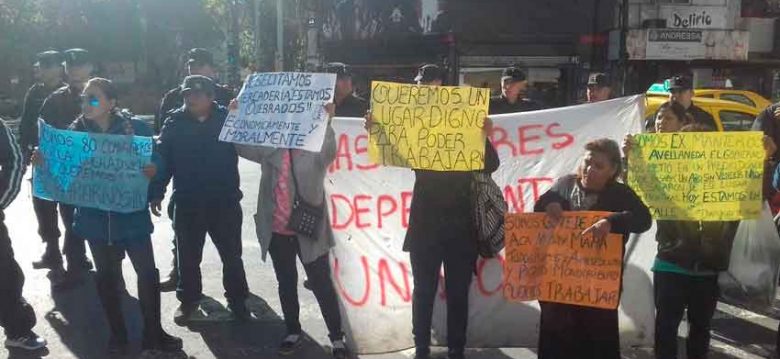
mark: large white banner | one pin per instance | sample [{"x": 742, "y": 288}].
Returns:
[
  {"x": 369, "y": 208},
  {"x": 281, "y": 110}
]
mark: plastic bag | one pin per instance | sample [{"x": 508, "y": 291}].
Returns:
[{"x": 754, "y": 266}]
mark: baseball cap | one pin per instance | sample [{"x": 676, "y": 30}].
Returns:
[
  {"x": 680, "y": 83},
  {"x": 197, "y": 83},
  {"x": 49, "y": 59},
  {"x": 200, "y": 56},
  {"x": 513, "y": 74},
  {"x": 598, "y": 79},
  {"x": 428, "y": 73},
  {"x": 338, "y": 68},
  {"x": 77, "y": 57}
]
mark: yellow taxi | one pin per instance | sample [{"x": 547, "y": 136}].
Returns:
[
  {"x": 728, "y": 115},
  {"x": 747, "y": 98}
]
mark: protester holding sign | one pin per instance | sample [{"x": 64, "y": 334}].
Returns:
[
  {"x": 292, "y": 221},
  {"x": 206, "y": 195},
  {"x": 111, "y": 234},
  {"x": 441, "y": 231},
  {"x": 690, "y": 255},
  {"x": 569, "y": 331}
]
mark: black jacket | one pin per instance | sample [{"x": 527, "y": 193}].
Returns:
[
  {"x": 696, "y": 246},
  {"x": 173, "y": 100},
  {"x": 442, "y": 207},
  {"x": 352, "y": 106},
  {"x": 702, "y": 117},
  {"x": 203, "y": 168},
  {"x": 28, "y": 126},
  {"x": 768, "y": 124},
  {"x": 629, "y": 215},
  {"x": 500, "y": 105},
  {"x": 62, "y": 107}
]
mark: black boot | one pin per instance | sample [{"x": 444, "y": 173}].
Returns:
[
  {"x": 112, "y": 305},
  {"x": 172, "y": 281},
  {"x": 154, "y": 337},
  {"x": 51, "y": 258}
]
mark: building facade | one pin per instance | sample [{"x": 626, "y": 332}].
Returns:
[
  {"x": 557, "y": 42},
  {"x": 722, "y": 43}
]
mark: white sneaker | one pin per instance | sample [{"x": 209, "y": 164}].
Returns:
[{"x": 28, "y": 342}]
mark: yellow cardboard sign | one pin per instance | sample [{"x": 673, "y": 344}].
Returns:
[
  {"x": 435, "y": 128},
  {"x": 556, "y": 263},
  {"x": 709, "y": 176}
]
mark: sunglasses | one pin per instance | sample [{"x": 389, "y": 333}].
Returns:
[{"x": 91, "y": 100}]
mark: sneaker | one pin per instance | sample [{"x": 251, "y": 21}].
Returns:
[
  {"x": 28, "y": 342},
  {"x": 340, "y": 350},
  {"x": 290, "y": 344},
  {"x": 184, "y": 313}
]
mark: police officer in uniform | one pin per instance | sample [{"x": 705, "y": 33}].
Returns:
[
  {"x": 49, "y": 67},
  {"x": 200, "y": 62},
  {"x": 347, "y": 103},
  {"x": 514, "y": 86},
  {"x": 599, "y": 87},
  {"x": 59, "y": 110},
  {"x": 681, "y": 91}
]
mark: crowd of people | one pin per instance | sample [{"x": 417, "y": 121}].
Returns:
[{"x": 206, "y": 200}]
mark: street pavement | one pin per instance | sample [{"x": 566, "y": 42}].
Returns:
[{"x": 73, "y": 322}]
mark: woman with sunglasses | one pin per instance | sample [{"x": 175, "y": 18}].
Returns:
[{"x": 111, "y": 235}]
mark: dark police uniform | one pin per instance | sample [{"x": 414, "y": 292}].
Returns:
[
  {"x": 352, "y": 106},
  {"x": 60, "y": 110},
  {"x": 701, "y": 117},
  {"x": 500, "y": 105},
  {"x": 174, "y": 100},
  {"x": 28, "y": 126}
]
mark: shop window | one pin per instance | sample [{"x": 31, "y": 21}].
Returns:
[
  {"x": 736, "y": 121},
  {"x": 738, "y": 98}
]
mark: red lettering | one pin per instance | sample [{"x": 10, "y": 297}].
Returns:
[
  {"x": 381, "y": 212},
  {"x": 566, "y": 139},
  {"x": 500, "y": 138},
  {"x": 363, "y": 149},
  {"x": 480, "y": 280},
  {"x": 515, "y": 196},
  {"x": 524, "y": 140},
  {"x": 342, "y": 152},
  {"x": 334, "y": 209},
  {"x": 384, "y": 275},
  {"x": 406, "y": 208},
  {"x": 360, "y": 210},
  {"x": 366, "y": 276}
]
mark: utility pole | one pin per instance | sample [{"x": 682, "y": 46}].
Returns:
[
  {"x": 234, "y": 75},
  {"x": 257, "y": 4},
  {"x": 624, "y": 47},
  {"x": 279, "y": 35}
]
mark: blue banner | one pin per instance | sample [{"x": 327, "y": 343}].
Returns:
[{"x": 92, "y": 170}]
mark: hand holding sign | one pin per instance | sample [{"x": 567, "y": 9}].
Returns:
[
  {"x": 599, "y": 230},
  {"x": 281, "y": 110},
  {"x": 569, "y": 262},
  {"x": 437, "y": 128}
]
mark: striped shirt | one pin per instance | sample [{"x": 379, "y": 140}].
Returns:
[{"x": 11, "y": 167}]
